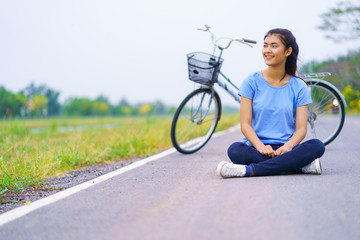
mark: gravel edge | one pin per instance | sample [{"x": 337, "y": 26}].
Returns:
[{"x": 53, "y": 185}]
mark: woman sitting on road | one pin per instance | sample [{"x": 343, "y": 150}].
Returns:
[{"x": 273, "y": 116}]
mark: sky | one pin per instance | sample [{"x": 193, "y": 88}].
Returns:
[{"x": 137, "y": 49}]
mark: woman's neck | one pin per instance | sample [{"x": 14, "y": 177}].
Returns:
[
  {"x": 276, "y": 77},
  {"x": 274, "y": 74}
]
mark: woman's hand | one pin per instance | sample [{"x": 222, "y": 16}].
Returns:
[
  {"x": 283, "y": 149},
  {"x": 266, "y": 150}
]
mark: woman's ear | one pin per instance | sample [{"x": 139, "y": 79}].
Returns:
[{"x": 288, "y": 51}]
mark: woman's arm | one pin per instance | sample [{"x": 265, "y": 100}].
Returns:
[
  {"x": 246, "y": 128},
  {"x": 301, "y": 117}
]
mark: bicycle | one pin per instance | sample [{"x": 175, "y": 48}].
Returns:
[{"x": 197, "y": 116}]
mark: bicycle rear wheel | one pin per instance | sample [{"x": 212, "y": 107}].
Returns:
[
  {"x": 326, "y": 114},
  {"x": 195, "y": 120}
]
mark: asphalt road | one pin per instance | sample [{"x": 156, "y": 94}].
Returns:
[{"x": 181, "y": 197}]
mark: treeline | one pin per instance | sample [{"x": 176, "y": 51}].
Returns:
[
  {"x": 345, "y": 76},
  {"x": 41, "y": 101}
]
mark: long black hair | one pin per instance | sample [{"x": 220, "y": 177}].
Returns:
[{"x": 288, "y": 40}]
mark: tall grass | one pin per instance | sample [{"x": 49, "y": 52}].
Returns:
[{"x": 27, "y": 157}]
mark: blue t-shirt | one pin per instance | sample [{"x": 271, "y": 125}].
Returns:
[{"x": 273, "y": 118}]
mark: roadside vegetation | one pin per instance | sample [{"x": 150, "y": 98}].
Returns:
[{"x": 28, "y": 157}]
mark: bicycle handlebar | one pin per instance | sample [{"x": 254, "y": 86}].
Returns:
[
  {"x": 249, "y": 41},
  {"x": 215, "y": 40}
]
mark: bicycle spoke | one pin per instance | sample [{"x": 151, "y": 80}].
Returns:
[
  {"x": 326, "y": 118},
  {"x": 188, "y": 133},
  {"x": 196, "y": 121}
]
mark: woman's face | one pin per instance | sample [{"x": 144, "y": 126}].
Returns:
[{"x": 274, "y": 51}]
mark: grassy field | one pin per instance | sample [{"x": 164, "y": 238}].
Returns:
[{"x": 32, "y": 150}]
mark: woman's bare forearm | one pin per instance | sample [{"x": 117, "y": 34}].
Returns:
[
  {"x": 297, "y": 137},
  {"x": 250, "y": 135},
  {"x": 301, "y": 126}
]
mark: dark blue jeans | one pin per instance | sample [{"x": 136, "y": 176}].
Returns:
[{"x": 300, "y": 156}]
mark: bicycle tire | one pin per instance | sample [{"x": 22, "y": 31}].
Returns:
[
  {"x": 326, "y": 115},
  {"x": 188, "y": 135}
]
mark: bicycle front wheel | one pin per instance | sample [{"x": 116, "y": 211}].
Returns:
[
  {"x": 326, "y": 114},
  {"x": 195, "y": 120}
]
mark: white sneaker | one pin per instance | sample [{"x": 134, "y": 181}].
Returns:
[
  {"x": 313, "y": 168},
  {"x": 226, "y": 169}
]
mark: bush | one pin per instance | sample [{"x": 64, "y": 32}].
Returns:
[{"x": 352, "y": 98}]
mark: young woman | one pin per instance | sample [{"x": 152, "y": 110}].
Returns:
[{"x": 273, "y": 116}]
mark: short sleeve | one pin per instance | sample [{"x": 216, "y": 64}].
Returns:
[
  {"x": 303, "y": 97},
  {"x": 247, "y": 88}
]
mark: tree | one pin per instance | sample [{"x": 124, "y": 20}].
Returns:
[
  {"x": 39, "y": 105},
  {"x": 11, "y": 104},
  {"x": 19, "y": 104},
  {"x": 5, "y": 102},
  {"x": 124, "y": 102},
  {"x": 159, "y": 107},
  {"x": 124, "y": 108},
  {"x": 345, "y": 70},
  {"x": 31, "y": 89},
  {"x": 78, "y": 107},
  {"x": 53, "y": 105},
  {"x": 343, "y": 21},
  {"x": 101, "y": 108},
  {"x": 145, "y": 109},
  {"x": 102, "y": 98}
]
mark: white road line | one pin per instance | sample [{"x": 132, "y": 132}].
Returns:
[{"x": 23, "y": 210}]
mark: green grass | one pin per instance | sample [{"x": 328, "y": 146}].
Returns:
[{"x": 27, "y": 158}]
